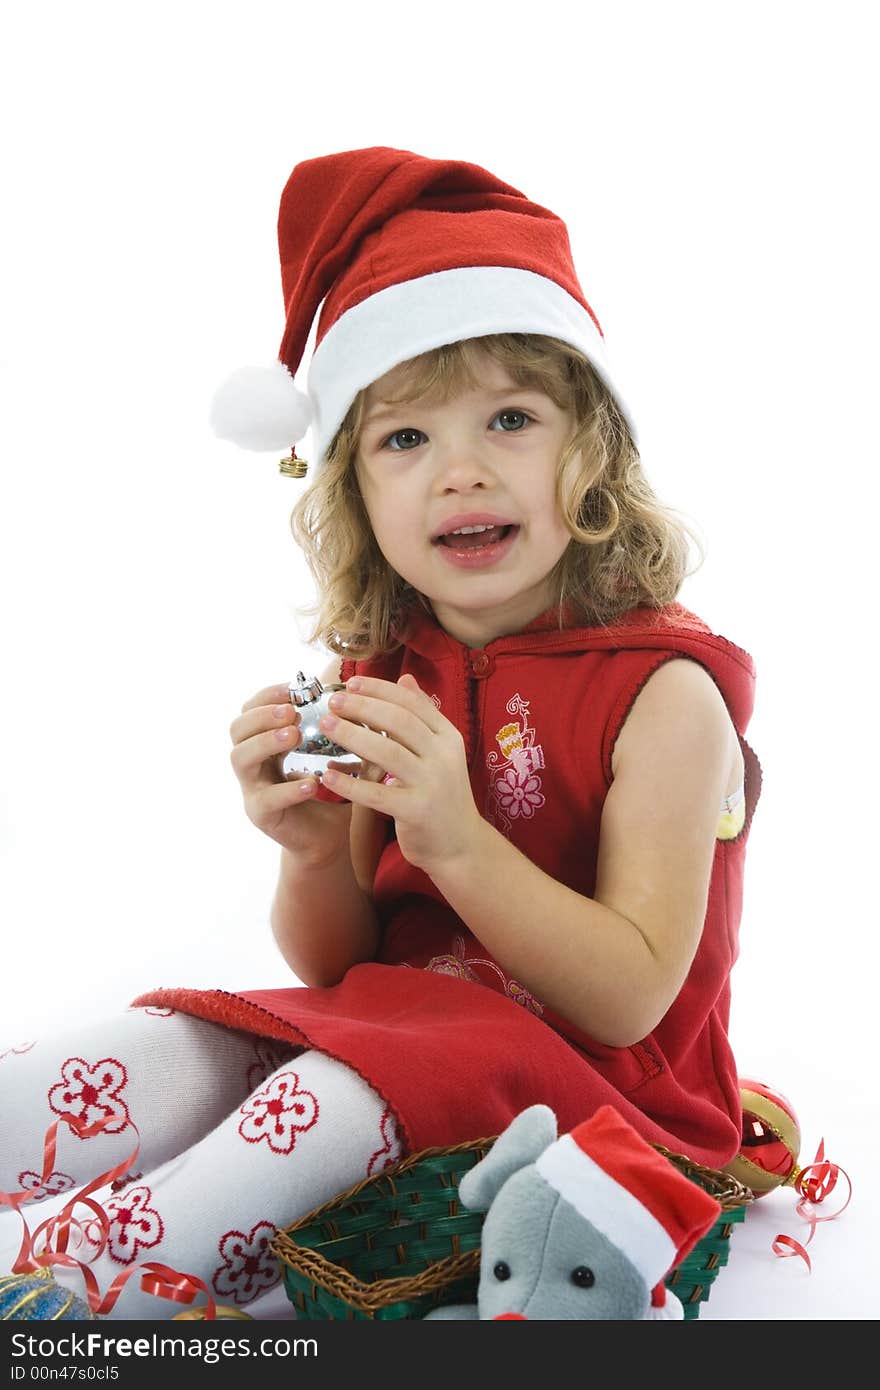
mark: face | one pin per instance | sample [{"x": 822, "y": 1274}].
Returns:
[{"x": 482, "y": 465}]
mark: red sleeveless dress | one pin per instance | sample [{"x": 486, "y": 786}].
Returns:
[{"x": 455, "y": 1046}]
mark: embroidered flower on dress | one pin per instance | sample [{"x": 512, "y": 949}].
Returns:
[
  {"x": 451, "y": 965},
  {"x": 248, "y": 1265},
  {"x": 461, "y": 966},
  {"x": 91, "y": 1092},
  {"x": 519, "y": 794},
  {"x": 278, "y": 1113}
]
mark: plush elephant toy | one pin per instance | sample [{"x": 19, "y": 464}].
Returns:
[{"x": 583, "y": 1226}]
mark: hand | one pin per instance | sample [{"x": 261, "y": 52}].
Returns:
[
  {"x": 282, "y": 807},
  {"x": 426, "y": 788}
]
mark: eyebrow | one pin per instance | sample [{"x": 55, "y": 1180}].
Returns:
[{"x": 376, "y": 416}]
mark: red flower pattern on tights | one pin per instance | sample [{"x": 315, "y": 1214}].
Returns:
[
  {"x": 91, "y": 1092},
  {"x": 135, "y": 1225},
  {"x": 392, "y": 1147},
  {"x": 39, "y": 1190},
  {"x": 248, "y": 1266},
  {"x": 278, "y": 1113}
]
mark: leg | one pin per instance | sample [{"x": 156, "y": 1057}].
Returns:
[
  {"x": 172, "y": 1076},
  {"x": 313, "y": 1129}
]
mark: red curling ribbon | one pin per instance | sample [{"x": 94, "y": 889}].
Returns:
[
  {"x": 814, "y": 1182},
  {"x": 157, "y": 1279}
]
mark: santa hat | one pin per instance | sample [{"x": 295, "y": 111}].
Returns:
[
  {"x": 633, "y": 1195},
  {"x": 401, "y": 254}
]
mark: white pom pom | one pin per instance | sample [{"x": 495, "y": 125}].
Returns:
[{"x": 260, "y": 408}]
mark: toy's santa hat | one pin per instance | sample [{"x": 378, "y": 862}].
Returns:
[
  {"x": 633, "y": 1195},
  {"x": 401, "y": 254}
]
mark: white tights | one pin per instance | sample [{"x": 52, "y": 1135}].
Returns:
[{"x": 239, "y": 1136}]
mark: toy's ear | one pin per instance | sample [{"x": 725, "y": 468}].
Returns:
[{"x": 524, "y": 1140}]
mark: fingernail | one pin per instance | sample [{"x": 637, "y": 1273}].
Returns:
[
  {"x": 306, "y": 788},
  {"x": 328, "y": 721},
  {"x": 354, "y": 683},
  {"x": 281, "y": 711}
]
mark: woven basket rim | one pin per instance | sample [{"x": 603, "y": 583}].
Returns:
[{"x": 334, "y": 1278}]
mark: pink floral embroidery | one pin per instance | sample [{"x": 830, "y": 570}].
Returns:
[
  {"x": 91, "y": 1092},
  {"x": 519, "y": 795},
  {"x": 452, "y": 965},
  {"x": 18, "y": 1050},
  {"x": 54, "y": 1184},
  {"x": 248, "y": 1265},
  {"x": 278, "y": 1113},
  {"x": 392, "y": 1146},
  {"x": 462, "y": 966},
  {"x": 515, "y": 789},
  {"x": 134, "y": 1226}
]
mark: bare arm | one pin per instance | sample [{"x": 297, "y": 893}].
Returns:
[
  {"x": 612, "y": 964},
  {"x": 323, "y": 920}
]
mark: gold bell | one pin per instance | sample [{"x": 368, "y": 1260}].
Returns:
[{"x": 292, "y": 467}]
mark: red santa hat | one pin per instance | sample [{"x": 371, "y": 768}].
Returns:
[
  {"x": 401, "y": 254},
  {"x": 633, "y": 1195}
]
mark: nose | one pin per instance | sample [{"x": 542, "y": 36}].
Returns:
[{"x": 461, "y": 467}]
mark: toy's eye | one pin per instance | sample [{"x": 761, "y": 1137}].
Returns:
[
  {"x": 583, "y": 1277},
  {"x": 501, "y": 1270}
]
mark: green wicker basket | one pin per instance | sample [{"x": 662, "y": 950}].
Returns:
[{"x": 400, "y": 1243}]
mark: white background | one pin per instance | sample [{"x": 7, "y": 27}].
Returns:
[{"x": 716, "y": 166}]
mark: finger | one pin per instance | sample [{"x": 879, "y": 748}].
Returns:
[
  {"x": 272, "y": 695},
  {"x": 261, "y": 718},
  {"x": 407, "y": 696},
  {"x": 383, "y": 796},
  {"x": 259, "y": 757},
  {"x": 402, "y": 724},
  {"x": 278, "y": 796},
  {"x": 386, "y": 753}
]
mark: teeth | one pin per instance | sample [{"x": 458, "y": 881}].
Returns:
[{"x": 470, "y": 530}]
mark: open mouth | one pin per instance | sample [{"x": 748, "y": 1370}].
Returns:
[{"x": 475, "y": 537}]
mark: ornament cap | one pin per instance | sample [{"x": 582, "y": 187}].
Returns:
[
  {"x": 292, "y": 467},
  {"x": 305, "y": 689}
]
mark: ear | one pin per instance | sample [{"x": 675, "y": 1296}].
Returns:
[{"x": 524, "y": 1140}]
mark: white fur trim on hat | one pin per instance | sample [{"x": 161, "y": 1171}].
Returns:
[
  {"x": 609, "y": 1206},
  {"x": 416, "y": 315},
  {"x": 260, "y": 408}
]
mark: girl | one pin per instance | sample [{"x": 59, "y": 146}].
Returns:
[{"x": 531, "y": 891}]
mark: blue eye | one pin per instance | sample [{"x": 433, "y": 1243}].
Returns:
[
  {"x": 513, "y": 414},
  {"x": 398, "y": 434}
]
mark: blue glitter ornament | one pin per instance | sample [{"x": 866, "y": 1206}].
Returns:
[{"x": 36, "y": 1297}]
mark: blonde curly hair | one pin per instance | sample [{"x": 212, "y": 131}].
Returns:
[{"x": 627, "y": 549}]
